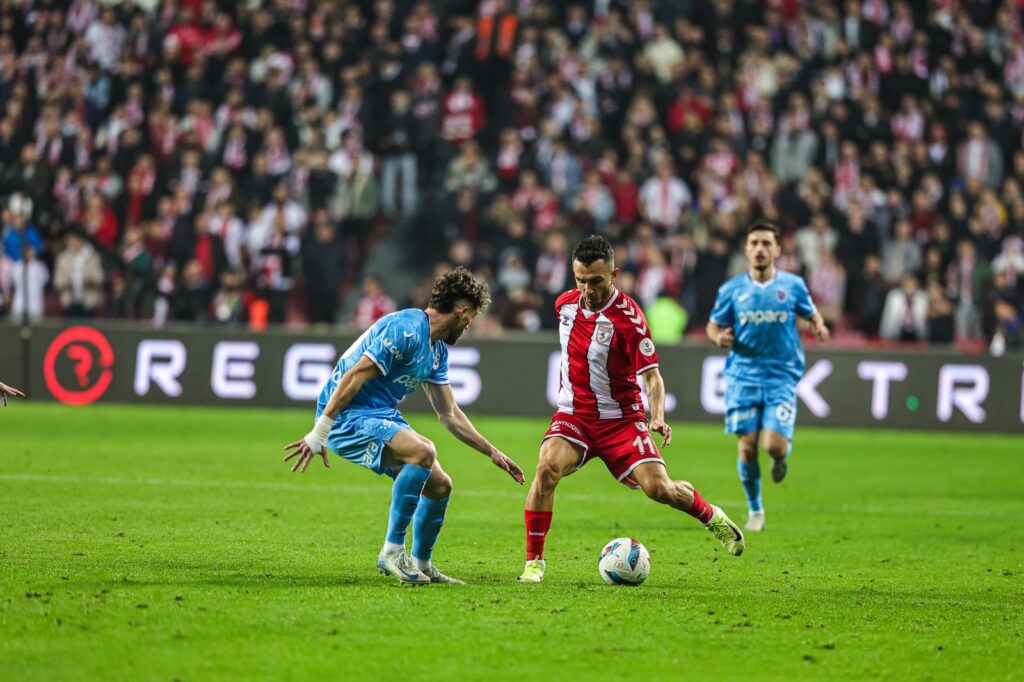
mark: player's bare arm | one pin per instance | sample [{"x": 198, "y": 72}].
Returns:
[
  {"x": 656, "y": 399},
  {"x": 442, "y": 399},
  {"x": 6, "y": 391},
  {"x": 720, "y": 336},
  {"x": 313, "y": 443}
]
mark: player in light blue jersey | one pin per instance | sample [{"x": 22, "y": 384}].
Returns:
[
  {"x": 357, "y": 419},
  {"x": 755, "y": 317}
]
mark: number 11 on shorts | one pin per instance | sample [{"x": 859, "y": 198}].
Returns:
[{"x": 639, "y": 441}]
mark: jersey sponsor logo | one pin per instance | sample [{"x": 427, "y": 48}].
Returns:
[
  {"x": 603, "y": 333},
  {"x": 370, "y": 454},
  {"x": 408, "y": 380},
  {"x": 565, "y": 320},
  {"x": 392, "y": 348},
  {"x": 763, "y": 316},
  {"x": 557, "y": 426},
  {"x": 742, "y": 415},
  {"x": 781, "y": 295},
  {"x": 647, "y": 347}
]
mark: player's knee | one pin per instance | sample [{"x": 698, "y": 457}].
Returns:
[
  {"x": 439, "y": 487},
  {"x": 660, "y": 491},
  {"x": 548, "y": 475},
  {"x": 747, "y": 450},
  {"x": 776, "y": 449},
  {"x": 425, "y": 454}
]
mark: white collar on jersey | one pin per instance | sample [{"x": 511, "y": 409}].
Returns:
[
  {"x": 611, "y": 299},
  {"x": 763, "y": 285}
]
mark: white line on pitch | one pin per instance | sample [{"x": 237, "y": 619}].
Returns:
[{"x": 353, "y": 489}]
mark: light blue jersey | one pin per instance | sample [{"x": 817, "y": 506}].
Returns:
[
  {"x": 399, "y": 344},
  {"x": 766, "y": 360}
]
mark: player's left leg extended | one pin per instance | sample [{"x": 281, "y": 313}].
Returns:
[
  {"x": 656, "y": 484},
  {"x": 427, "y": 522},
  {"x": 749, "y": 471}
]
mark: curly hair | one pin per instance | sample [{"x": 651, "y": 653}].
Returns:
[
  {"x": 459, "y": 285},
  {"x": 593, "y": 248}
]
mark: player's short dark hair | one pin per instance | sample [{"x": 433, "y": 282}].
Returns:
[
  {"x": 765, "y": 226},
  {"x": 593, "y": 248},
  {"x": 457, "y": 285}
]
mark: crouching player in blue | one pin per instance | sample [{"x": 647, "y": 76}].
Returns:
[
  {"x": 357, "y": 419},
  {"x": 755, "y": 317}
]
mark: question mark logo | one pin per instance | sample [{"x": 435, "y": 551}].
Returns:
[
  {"x": 82, "y": 358},
  {"x": 85, "y": 348}
]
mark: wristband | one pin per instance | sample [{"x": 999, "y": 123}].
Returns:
[{"x": 316, "y": 438}]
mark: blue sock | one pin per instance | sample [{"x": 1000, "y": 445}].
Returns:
[
  {"x": 750, "y": 477},
  {"x": 405, "y": 494},
  {"x": 426, "y": 526}
]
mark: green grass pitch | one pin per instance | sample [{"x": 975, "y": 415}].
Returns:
[{"x": 172, "y": 543}]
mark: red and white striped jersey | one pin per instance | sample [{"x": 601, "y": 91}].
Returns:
[{"x": 603, "y": 353}]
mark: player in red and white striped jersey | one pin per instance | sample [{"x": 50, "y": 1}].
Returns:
[{"x": 606, "y": 349}]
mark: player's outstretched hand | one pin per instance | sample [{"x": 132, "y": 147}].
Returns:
[
  {"x": 305, "y": 455},
  {"x": 725, "y": 338},
  {"x": 6, "y": 390},
  {"x": 660, "y": 427},
  {"x": 505, "y": 463}
]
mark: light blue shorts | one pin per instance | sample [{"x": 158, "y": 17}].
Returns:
[
  {"x": 360, "y": 435},
  {"x": 750, "y": 408}
]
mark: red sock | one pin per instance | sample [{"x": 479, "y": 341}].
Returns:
[
  {"x": 700, "y": 509},
  {"x": 537, "y": 525}
]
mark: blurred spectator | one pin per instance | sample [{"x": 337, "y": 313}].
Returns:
[
  {"x": 826, "y": 281},
  {"x": 966, "y": 279},
  {"x": 664, "y": 197},
  {"x": 667, "y": 320},
  {"x": 905, "y": 316},
  {"x": 902, "y": 254},
  {"x": 398, "y": 177},
  {"x": 78, "y": 277},
  {"x": 1009, "y": 334},
  {"x": 18, "y": 229},
  {"x": 373, "y": 304},
  {"x": 192, "y": 294},
  {"x": 28, "y": 277},
  {"x": 940, "y": 315},
  {"x": 979, "y": 157},
  {"x": 325, "y": 268}
]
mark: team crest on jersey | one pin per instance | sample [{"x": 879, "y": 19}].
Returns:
[
  {"x": 647, "y": 347},
  {"x": 641, "y": 426},
  {"x": 781, "y": 295},
  {"x": 603, "y": 333}
]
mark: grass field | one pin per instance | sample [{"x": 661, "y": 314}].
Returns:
[{"x": 172, "y": 543}]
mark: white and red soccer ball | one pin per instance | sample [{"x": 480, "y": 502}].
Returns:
[{"x": 624, "y": 561}]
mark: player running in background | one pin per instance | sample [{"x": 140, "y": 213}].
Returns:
[
  {"x": 6, "y": 390},
  {"x": 606, "y": 346},
  {"x": 357, "y": 419},
  {"x": 755, "y": 317}
]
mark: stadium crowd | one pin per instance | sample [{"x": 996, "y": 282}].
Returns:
[{"x": 236, "y": 162}]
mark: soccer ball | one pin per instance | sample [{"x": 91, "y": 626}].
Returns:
[{"x": 624, "y": 561}]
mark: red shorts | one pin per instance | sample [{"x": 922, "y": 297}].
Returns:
[{"x": 621, "y": 444}]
